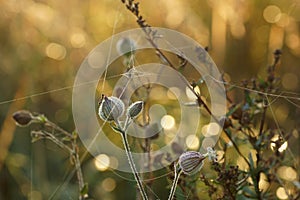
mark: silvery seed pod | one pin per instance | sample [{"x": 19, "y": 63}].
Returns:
[
  {"x": 111, "y": 108},
  {"x": 135, "y": 109},
  {"x": 126, "y": 46},
  {"x": 191, "y": 162}
]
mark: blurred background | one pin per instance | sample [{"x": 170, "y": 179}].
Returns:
[{"x": 42, "y": 44}]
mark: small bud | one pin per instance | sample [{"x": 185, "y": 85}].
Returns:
[
  {"x": 135, "y": 109},
  {"x": 126, "y": 46},
  {"x": 111, "y": 108},
  {"x": 23, "y": 117},
  {"x": 191, "y": 162}
]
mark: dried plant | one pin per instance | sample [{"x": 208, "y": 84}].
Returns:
[{"x": 245, "y": 123}]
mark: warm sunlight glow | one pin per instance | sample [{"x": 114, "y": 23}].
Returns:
[
  {"x": 210, "y": 129},
  {"x": 272, "y": 14},
  {"x": 287, "y": 173},
  {"x": 102, "y": 162},
  {"x": 192, "y": 142},
  {"x": 263, "y": 182},
  {"x": 281, "y": 194},
  {"x": 283, "y": 146},
  {"x": 213, "y": 128},
  {"x": 190, "y": 94},
  {"x": 77, "y": 40},
  {"x": 167, "y": 122},
  {"x": 108, "y": 184},
  {"x": 56, "y": 51}
]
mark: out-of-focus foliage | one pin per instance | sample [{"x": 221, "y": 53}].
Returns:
[{"x": 42, "y": 44}]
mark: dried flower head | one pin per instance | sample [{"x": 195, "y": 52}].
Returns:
[
  {"x": 135, "y": 109},
  {"x": 191, "y": 162},
  {"x": 23, "y": 117},
  {"x": 111, "y": 108}
]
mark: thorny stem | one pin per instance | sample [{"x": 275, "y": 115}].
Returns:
[
  {"x": 132, "y": 166},
  {"x": 178, "y": 172}
]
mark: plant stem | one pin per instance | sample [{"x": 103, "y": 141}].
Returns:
[
  {"x": 175, "y": 181},
  {"x": 201, "y": 102},
  {"x": 78, "y": 170},
  {"x": 132, "y": 166},
  {"x": 56, "y": 127}
]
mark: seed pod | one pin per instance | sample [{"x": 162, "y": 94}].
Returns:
[
  {"x": 111, "y": 108},
  {"x": 135, "y": 109},
  {"x": 126, "y": 46},
  {"x": 23, "y": 117},
  {"x": 191, "y": 162}
]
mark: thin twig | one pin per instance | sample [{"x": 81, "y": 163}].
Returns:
[{"x": 77, "y": 163}]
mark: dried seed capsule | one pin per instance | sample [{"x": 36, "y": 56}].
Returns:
[
  {"x": 23, "y": 117},
  {"x": 126, "y": 46},
  {"x": 191, "y": 162},
  {"x": 111, "y": 108},
  {"x": 135, "y": 109}
]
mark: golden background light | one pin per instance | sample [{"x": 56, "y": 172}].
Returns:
[
  {"x": 281, "y": 194},
  {"x": 283, "y": 146},
  {"x": 210, "y": 129},
  {"x": 190, "y": 94},
  {"x": 287, "y": 173},
  {"x": 192, "y": 142},
  {"x": 167, "y": 122},
  {"x": 108, "y": 184},
  {"x": 263, "y": 182},
  {"x": 272, "y": 14},
  {"x": 55, "y": 51},
  {"x": 77, "y": 40},
  {"x": 44, "y": 43},
  {"x": 102, "y": 162}
]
